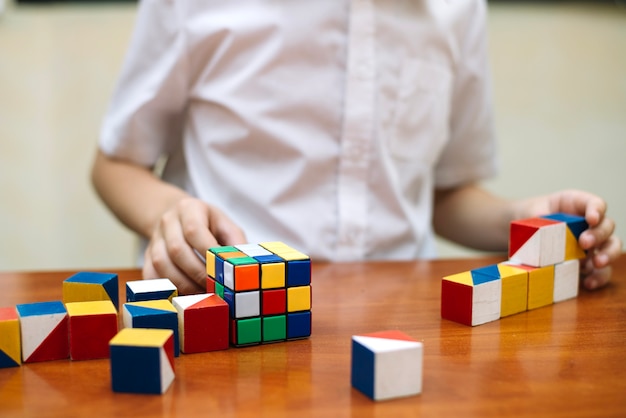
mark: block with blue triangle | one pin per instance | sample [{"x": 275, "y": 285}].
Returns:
[
  {"x": 86, "y": 286},
  {"x": 159, "y": 314},
  {"x": 152, "y": 289}
]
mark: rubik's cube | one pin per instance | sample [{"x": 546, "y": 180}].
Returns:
[
  {"x": 267, "y": 287},
  {"x": 543, "y": 269}
]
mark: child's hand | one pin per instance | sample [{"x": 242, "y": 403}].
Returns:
[
  {"x": 190, "y": 224},
  {"x": 601, "y": 245}
]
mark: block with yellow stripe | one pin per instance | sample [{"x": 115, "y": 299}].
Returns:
[
  {"x": 87, "y": 286},
  {"x": 92, "y": 324},
  {"x": 152, "y": 314},
  {"x": 10, "y": 340},
  {"x": 142, "y": 360}
]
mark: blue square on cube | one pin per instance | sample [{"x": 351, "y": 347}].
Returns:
[
  {"x": 299, "y": 325},
  {"x": 299, "y": 273}
]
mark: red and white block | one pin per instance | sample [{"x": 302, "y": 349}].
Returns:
[{"x": 202, "y": 322}]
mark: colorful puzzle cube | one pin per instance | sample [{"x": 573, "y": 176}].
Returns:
[
  {"x": 87, "y": 286},
  {"x": 537, "y": 242},
  {"x": 10, "y": 339},
  {"x": 471, "y": 297},
  {"x": 153, "y": 314},
  {"x": 566, "y": 280},
  {"x": 142, "y": 360},
  {"x": 575, "y": 226},
  {"x": 152, "y": 289},
  {"x": 202, "y": 322},
  {"x": 267, "y": 287},
  {"x": 92, "y": 324},
  {"x": 386, "y": 365},
  {"x": 44, "y": 329}
]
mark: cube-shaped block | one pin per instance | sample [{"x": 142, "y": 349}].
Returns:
[
  {"x": 44, "y": 330},
  {"x": 153, "y": 314},
  {"x": 566, "y": 280},
  {"x": 92, "y": 324},
  {"x": 575, "y": 226},
  {"x": 87, "y": 286},
  {"x": 471, "y": 298},
  {"x": 152, "y": 289},
  {"x": 514, "y": 295},
  {"x": 203, "y": 323},
  {"x": 386, "y": 365},
  {"x": 10, "y": 339},
  {"x": 263, "y": 284},
  {"x": 537, "y": 242},
  {"x": 540, "y": 285},
  {"x": 142, "y": 360}
]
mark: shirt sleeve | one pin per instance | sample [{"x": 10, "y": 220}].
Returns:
[
  {"x": 470, "y": 154},
  {"x": 144, "y": 118}
]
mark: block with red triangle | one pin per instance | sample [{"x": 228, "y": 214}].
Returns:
[
  {"x": 44, "y": 329},
  {"x": 152, "y": 314},
  {"x": 386, "y": 365},
  {"x": 203, "y": 322}
]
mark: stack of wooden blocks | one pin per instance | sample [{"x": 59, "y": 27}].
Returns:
[
  {"x": 543, "y": 268},
  {"x": 263, "y": 296}
]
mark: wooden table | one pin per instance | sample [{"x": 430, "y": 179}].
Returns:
[{"x": 566, "y": 360}]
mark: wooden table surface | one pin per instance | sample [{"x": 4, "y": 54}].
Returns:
[{"x": 565, "y": 360}]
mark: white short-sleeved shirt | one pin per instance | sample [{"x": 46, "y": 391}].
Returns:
[{"x": 323, "y": 124}]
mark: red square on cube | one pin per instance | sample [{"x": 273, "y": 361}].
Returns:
[{"x": 274, "y": 302}]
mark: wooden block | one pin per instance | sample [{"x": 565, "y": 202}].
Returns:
[
  {"x": 471, "y": 298},
  {"x": 44, "y": 329},
  {"x": 10, "y": 339},
  {"x": 87, "y": 286},
  {"x": 142, "y": 360},
  {"x": 160, "y": 314},
  {"x": 386, "y": 365},
  {"x": 566, "y": 280},
  {"x": 153, "y": 289},
  {"x": 514, "y": 289},
  {"x": 575, "y": 226},
  {"x": 92, "y": 324},
  {"x": 537, "y": 242},
  {"x": 203, "y": 323},
  {"x": 540, "y": 285}
]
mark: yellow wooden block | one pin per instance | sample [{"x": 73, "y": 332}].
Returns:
[
  {"x": 143, "y": 337},
  {"x": 272, "y": 275},
  {"x": 298, "y": 298},
  {"x": 573, "y": 250},
  {"x": 461, "y": 278},
  {"x": 90, "y": 308},
  {"x": 540, "y": 287},
  {"x": 514, "y": 289},
  {"x": 10, "y": 338},
  {"x": 81, "y": 292},
  {"x": 210, "y": 264}
]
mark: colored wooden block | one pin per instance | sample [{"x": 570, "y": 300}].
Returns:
[
  {"x": 10, "y": 339},
  {"x": 537, "y": 242},
  {"x": 142, "y": 360},
  {"x": 44, "y": 330},
  {"x": 471, "y": 298},
  {"x": 159, "y": 314},
  {"x": 540, "y": 285},
  {"x": 386, "y": 365},
  {"x": 566, "y": 280},
  {"x": 88, "y": 286},
  {"x": 92, "y": 324},
  {"x": 575, "y": 226},
  {"x": 514, "y": 295},
  {"x": 203, "y": 323},
  {"x": 298, "y": 298},
  {"x": 298, "y": 325},
  {"x": 153, "y": 289}
]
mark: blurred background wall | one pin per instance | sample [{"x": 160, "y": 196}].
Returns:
[{"x": 559, "y": 89}]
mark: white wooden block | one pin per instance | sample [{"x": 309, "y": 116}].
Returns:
[
  {"x": 386, "y": 365},
  {"x": 566, "y": 280},
  {"x": 537, "y": 242}
]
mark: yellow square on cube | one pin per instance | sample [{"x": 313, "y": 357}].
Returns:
[
  {"x": 298, "y": 298},
  {"x": 272, "y": 275},
  {"x": 210, "y": 264}
]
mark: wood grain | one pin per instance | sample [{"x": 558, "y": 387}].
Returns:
[{"x": 565, "y": 360}]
